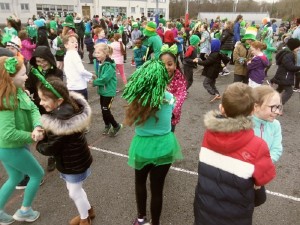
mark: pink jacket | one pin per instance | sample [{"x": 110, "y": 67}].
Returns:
[
  {"x": 117, "y": 54},
  {"x": 177, "y": 87},
  {"x": 27, "y": 49}
]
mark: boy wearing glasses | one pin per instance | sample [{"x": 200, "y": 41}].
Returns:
[{"x": 233, "y": 162}]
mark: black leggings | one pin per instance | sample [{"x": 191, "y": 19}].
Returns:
[
  {"x": 108, "y": 118},
  {"x": 157, "y": 181}
]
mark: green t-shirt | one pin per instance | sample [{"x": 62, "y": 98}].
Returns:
[
  {"x": 32, "y": 31},
  {"x": 163, "y": 21},
  {"x": 53, "y": 25}
]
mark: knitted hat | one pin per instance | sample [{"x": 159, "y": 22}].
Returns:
[
  {"x": 250, "y": 34},
  {"x": 135, "y": 25},
  {"x": 194, "y": 40},
  {"x": 243, "y": 23},
  {"x": 39, "y": 23},
  {"x": 215, "y": 45},
  {"x": 265, "y": 20},
  {"x": 13, "y": 41},
  {"x": 150, "y": 29},
  {"x": 69, "y": 22},
  {"x": 293, "y": 43}
]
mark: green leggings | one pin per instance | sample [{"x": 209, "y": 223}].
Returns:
[{"x": 17, "y": 162}]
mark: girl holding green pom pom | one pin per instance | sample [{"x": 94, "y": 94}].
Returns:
[{"x": 154, "y": 147}]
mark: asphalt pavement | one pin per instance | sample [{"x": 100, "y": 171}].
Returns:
[{"x": 110, "y": 188}]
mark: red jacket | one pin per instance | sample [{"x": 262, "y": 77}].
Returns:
[{"x": 169, "y": 37}]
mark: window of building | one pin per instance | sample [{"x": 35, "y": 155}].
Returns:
[
  {"x": 113, "y": 11},
  {"x": 132, "y": 9},
  {"x": 24, "y": 7},
  {"x": 48, "y": 10},
  {"x": 142, "y": 10},
  {"x": 4, "y": 6},
  {"x": 151, "y": 12}
]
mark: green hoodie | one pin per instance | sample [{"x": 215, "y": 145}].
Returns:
[
  {"x": 106, "y": 80},
  {"x": 16, "y": 125}
]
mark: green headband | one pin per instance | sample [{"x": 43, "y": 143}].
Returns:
[
  {"x": 10, "y": 65},
  {"x": 38, "y": 74},
  {"x": 148, "y": 84}
]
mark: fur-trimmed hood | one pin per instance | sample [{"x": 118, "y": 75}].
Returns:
[
  {"x": 227, "y": 135},
  {"x": 214, "y": 121},
  {"x": 63, "y": 120}
]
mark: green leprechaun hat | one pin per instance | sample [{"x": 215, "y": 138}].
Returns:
[
  {"x": 69, "y": 22},
  {"x": 150, "y": 29},
  {"x": 250, "y": 34}
]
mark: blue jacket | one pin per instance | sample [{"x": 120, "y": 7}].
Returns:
[
  {"x": 179, "y": 44},
  {"x": 270, "y": 132},
  {"x": 236, "y": 31}
]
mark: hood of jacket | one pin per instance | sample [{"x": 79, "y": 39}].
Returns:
[
  {"x": 63, "y": 120},
  {"x": 264, "y": 60},
  {"x": 281, "y": 54},
  {"x": 228, "y": 134},
  {"x": 45, "y": 53}
]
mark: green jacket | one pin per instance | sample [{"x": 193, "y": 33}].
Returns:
[
  {"x": 106, "y": 80},
  {"x": 16, "y": 125}
]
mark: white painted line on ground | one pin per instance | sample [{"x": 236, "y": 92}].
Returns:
[{"x": 193, "y": 173}]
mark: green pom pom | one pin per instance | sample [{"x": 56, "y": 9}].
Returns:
[{"x": 148, "y": 83}]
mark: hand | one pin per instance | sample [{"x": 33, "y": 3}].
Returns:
[
  {"x": 38, "y": 134},
  {"x": 196, "y": 60},
  {"x": 94, "y": 77},
  {"x": 257, "y": 187},
  {"x": 144, "y": 58}
]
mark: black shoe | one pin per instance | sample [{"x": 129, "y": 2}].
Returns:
[
  {"x": 91, "y": 62},
  {"x": 23, "y": 183},
  {"x": 51, "y": 164}
]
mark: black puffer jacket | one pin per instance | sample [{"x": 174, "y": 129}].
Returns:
[
  {"x": 285, "y": 73},
  {"x": 32, "y": 81},
  {"x": 65, "y": 138},
  {"x": 227, "y": 40},
  {"x": 212, "y": 65}
]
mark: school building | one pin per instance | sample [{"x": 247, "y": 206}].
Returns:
[{"x": 24, "y": 9}]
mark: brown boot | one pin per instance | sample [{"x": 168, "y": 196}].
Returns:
[
  {"x": 86, "y": 221},
  {"x": 76, "y": 219}
]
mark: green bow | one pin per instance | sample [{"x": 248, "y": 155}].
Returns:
[
  {"x": 10, "y": 65},
  {"x": 173, "y": 49},
  {"x": 38, "y": 74}
]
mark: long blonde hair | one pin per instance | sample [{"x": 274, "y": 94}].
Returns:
[{"x": 7, "y": 87}]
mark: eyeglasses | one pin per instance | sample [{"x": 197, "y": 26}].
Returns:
[{"x": 276, "y": 107}]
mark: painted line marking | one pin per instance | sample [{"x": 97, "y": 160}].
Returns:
[{"x": 192, "y": 173}]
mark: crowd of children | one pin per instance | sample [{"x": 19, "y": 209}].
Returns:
[{"x": 38, "y": 106}]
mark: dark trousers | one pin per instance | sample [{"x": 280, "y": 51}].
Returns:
[
  {"x": 287, "y": 94},
  {"x": 297, "y": 80},
  {"x": 210, "y": 85},
  {"x": 241, "y": 78},
  {"x": 157, "y": 181},
  {"x": 84, "y": 92},
  {"x": 108, "y": 118},
  {"x": 188, "y": 74},
  {"x": 80, "y": 44},
  {"x": 91, "y": 55},
  {"x": 202, "y": 56}
]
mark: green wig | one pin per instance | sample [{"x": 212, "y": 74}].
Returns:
[{"x": 148, "y": 83}]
